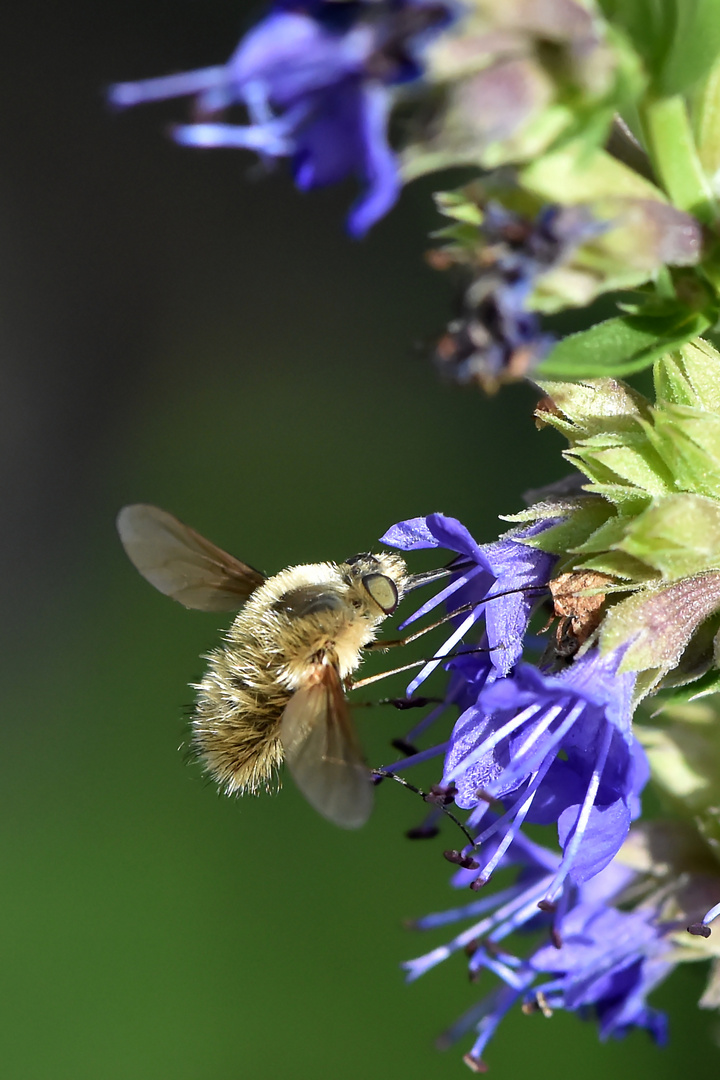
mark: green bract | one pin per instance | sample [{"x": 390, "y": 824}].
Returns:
[
  {"x": 629, "y": 238},
  {"x": 515, "y": 76},
  {"x": 611, "y": 110},
  {"x": 649, "y": 515}
]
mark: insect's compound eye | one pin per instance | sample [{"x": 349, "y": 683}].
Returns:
[{"x": 383, "y": 590}]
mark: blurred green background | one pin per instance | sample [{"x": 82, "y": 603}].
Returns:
[{"x": 175, "y": 328}]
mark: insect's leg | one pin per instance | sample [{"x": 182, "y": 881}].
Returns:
[
  {"x": 438, "y": 798},
  {"x": 401, "y": 703}
]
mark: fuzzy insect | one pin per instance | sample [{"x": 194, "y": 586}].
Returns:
[{"x": 275, "y": 688}]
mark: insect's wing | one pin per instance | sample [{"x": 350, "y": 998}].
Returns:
[
  {"x": 322, "y": 752},
  {"x": 183, "y": 564}
]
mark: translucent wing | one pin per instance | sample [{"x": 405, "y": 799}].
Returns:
[
  {"x": 322, "y": 753},
  {"x": 183, "y": 564}
]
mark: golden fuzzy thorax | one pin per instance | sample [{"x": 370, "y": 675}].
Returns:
[{"x": 301, "y": 617}]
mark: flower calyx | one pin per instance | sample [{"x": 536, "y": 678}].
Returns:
[{"x": 647, "y": 520}]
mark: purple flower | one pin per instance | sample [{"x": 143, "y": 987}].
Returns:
[
  {"x": 494, "y": 587},
  {"x": 498, "y": 583},
  {"x": 500, "y": 914},
  {"x": 609, "y": 961},
  {"x": 594, "y": 960},
  {"x": 545, "y": 748},
  {"x": 315, "y": 81},
  {"x": 552, "y": 749},
  {"x": 497, "y": 337}
]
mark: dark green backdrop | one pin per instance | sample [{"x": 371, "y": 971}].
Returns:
[{"x": 175, "y": 329}]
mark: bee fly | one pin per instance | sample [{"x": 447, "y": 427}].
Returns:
[{"x": 275, "y": 688}]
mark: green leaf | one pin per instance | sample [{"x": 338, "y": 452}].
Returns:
[
  {"x": 620, "y": 565},
  {"x": 635, "y": 461},
  {"x": 694, "y": 47},
  {"x": 688, "y": 438},
  {"x": 610, "y": 533},
  {"x": 691, "y": 377},
  {"x": 545, "y": 509},
  {"x": 461, "y": 234},
  {"x": 459, "y": 206},
  {"x": 601, "y": 476},
  {"x": 574, "y": 530},
  {"x": 672, "y": 385},
  {"x": 707, "y": 684},
  {"x": 701, "y": 363},
  {"x": 678, "y": 39},
  {"x": 649, "y": 25},
  {"x": 621, "y": 346},
  {"x": 705, "y": 116},
  {"x": 587, "y": 409},
  {"x": 582, "y": 177},
  {"x": 672, "y": 150},
  {"x": 679, "y": 536}
]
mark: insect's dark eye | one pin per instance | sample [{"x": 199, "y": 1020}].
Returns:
[{"x": 383, "y": 590}]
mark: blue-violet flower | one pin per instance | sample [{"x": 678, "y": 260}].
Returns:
[
  {"x": 593, "y": 959},
  {"x": 315, "y": 78},
  {"x": 498, "y": 337},
  {"x": 548, "y": 747},
  {"x": 499, "y": 583},
  {"x": 553, "y": 749}
]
